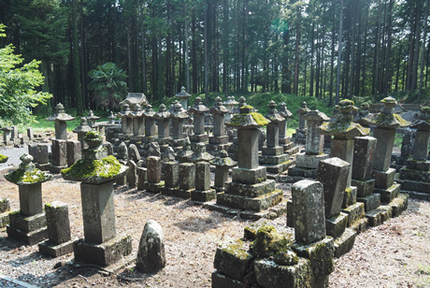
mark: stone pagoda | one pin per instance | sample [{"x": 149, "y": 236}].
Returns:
[
  {"x": 60, "y": 117},
  {"x": 198, "y": 110},
  {"x": 150, "y": 127},
  {"x": 82, "y": 131},
  {"x": 344, "y": 130},
  {"x": 162, "y": 117},
  {"x": 219, "y": 140},
  {"x": 250, "y": 189},
  {"x": 91, "y": 118},
  {"x": 97, "y": 172},
  {"x": 222, "y": 163},
  {"x": 300, "y": 136},
  {"x": 273, "y": 156},
  {"x": 29, "y": 223},
  {"x": 177, "y": 117},
  {"x": 284, "y": 140},
  {"x": 138, "y": 123},
  {"x": 183, "y": 97},
  {"x": 231, "y": 105},
  {"x": 126, "y": 123},
  {"x": 415, "y": 177},
  {"x": 386, "y": 123}
]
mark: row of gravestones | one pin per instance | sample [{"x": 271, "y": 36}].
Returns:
[{"x": 101, "y": 245}]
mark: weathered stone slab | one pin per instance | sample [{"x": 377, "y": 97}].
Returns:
[
  {"x": 249, "y": 176},
  {"x": 364, "y": 187},
  {"x": 30, "y": 199},
  {"x": 309, "y": 214},
  {"x": 387, "y": 195},
  {"x": 385, "y": 179},
  {"x": 74, "y": 152},
  {"x": 344, "y": 243},
  {"x": 355, "y": 212},
  {"x": 252, "y": 191},
  {"x": 350, "y": 196},
  {"x": 309, "y": 161},
  {"x": 57, "y": 220},
  {"x": 232, "y": 259},
  {"x": 151, "y": 256},
  {"x": 371, "y": 202},
  {"x": 187, "y": 176},
  {"x": 363, "y": 158},
  {"x": 336, "y": 225},
  {"x": 154, "y": 169},
  {"x": 399, "y": 204},
  {"x": 27, "y": 223},
  {"x": 142, "y": 174},
  {"x": 333, "y": 174},
  {"x": 255, "y": 204},
  {"x": 384, "y": 148},
  {"x": 418, "y": 165},
  {"x": 220, "y": 280}
]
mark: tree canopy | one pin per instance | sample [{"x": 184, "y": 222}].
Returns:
[{"x": 18, "y": 83}]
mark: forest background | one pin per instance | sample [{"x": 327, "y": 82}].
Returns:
[{"x": 327, "y": 50}]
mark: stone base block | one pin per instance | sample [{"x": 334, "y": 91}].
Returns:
[
  {"x": 251, "y": 230},
  {"x": 44, "y": 167},
  {"x": 384, "y": 179},
  {"x": 415, "y": 175},
  {"x": 336, "y": 225},
  {"x": 293, "y": 150},
  {"x": 320, "y": 254},
  {"x": 399, "y": 204},
  {"x": 154, "y": 187},
  {"x": 387, "y": 212},
  {"x": 287, "y": 145},
  {"x": 168, "y": 191},
  {"x": 249, "y": 176},
  {"x": 355, "y": 212},
  {"x": 304, "y": 160},
  {"x": 56, "y": 169},
  {"x": 218, "y": 139},
  {"x": 27, "y": 223},
  {"x": 296, "y": 171},
  {"x": 199, "y": 138},
  {"x": 252, "y": 191},
  {"x": 378, "y": 216},
  {"x": 121, "y": 180},
  {"x": 344, "y": 243},
  {"x": 350, "y": 196},
  {"x": 4, "y": 219},
  {"x": 29, "y": 238},
  {"x": 273, "y": 160},
  {"x": 213, "y": 148},
  {"x": 364, "y": 187},
  {"x": 203, "y": 196},
  {"x": 360, "y": 225},
  {"x": 418, "y": 165},
  {"x": 232, "y": 259},
  {"x": 56, "y": 250},
  {"x": 220, "y": 280},
  {"x": 416, "y": 186},
  {"x": 272, "y": 151},
  {"x": 290, "y": 214},
  {"x": 371, "y": 202},
  {"x": 181, "y": 193},
  {"x": 103, "y": 254},
  {"x": 178, "y": 142},
  {"x": 270, "y": 274},
  {"x": 387, "y": 195},
  {"x": 255, "y": 204}
]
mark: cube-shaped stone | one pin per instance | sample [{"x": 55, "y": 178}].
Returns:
[
  {"x": 364, "y": 187},
  {"x": 57, "y": 220},
  {"x": 232, "y": 259},
  {"x": 309, "y": 161},
  {"x": 363, "y": 157},
  {"x": 384, "y": 179},
  {"x": 203, "y": 180},
  {"x": 171, "y": 174},
  {"x": 336, "y": 225},
  {"x": 153, "y": 164},
  {"x": 344, "y": 243},
  {"x": 333, "y": 174},
  {"x": 249, "y": 176},
  {"x": 30, "y": 199},
  {"x": 187, "y": 176},
  {"x": 254, "y": 190},
  {"x": 309, "y": 214},
  {"x": 371, "y": 202}
]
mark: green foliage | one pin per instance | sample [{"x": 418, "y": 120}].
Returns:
[
  {"x": 18, "y": 85},
  {"x": 108, "y": 85}
]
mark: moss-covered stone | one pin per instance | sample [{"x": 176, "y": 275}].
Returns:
[
  {"x": 3, "y": 158},
  {"x": 27, "y": 173},
  {"x": 268, "y": 242},
  {"x": 95, "y": 171},
  {"x": 232, "y": 259}
]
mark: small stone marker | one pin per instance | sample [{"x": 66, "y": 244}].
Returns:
[
  {"x": 308, "y": 211},
  {"x": 154, "y": 183},
  {"x": 151, "y": 256},
  {"x": 4, "y": 212},
  {"x": 60, "y": 118},
  {"x": 74, "y": 152},
  {"x": 57, "y": 218}
]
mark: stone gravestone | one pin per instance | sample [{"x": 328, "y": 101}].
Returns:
[
  {"x": 219, "y": 140},
  {"x": 60, "y": 118},
  {"x": 4, "y": 212},
  {"x": 178, "y": 117},
  {"x": 57, "y": 218},
  {"x": 151, "y": 256},
  {"x": 300, "y": 136},
  {"x": 183, "y": 97},
  {"x": 222, "y": 163},
  {"x": 97, "y": 171},
  {"x": 59, "y": 155},
  {"x": 74, "y": 152},
  {"x": 203, "y": 191},
  {"x": 154, "y": 183},
  {"x": 29, "y": 223},
  {"x": 162, "y": 117},
  {"x": 198, "y": 110}
]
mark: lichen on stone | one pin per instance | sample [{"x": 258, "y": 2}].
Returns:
[
  {"x": 26, "y": 177},
  {"x": 3, "y": 158},
  {"x": 268, "y": 242},
  {"x": 94, "y": 170}
]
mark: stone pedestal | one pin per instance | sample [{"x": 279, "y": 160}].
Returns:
[
  {"x": 203, "y": 192},
  {"x": 74, "y": 152},
  {"x": 43, "y": 156},
  {"x": 4, "y": 212},
  {"x": 171, "y": 178},
  {"x": 154, "y": 183},
  {"x": 57, "y": 217},
  {"x": 59, "y": 155},
  {"x": 187, "y": 180}
]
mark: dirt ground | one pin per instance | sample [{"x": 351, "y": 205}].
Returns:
[{"x": 395, "y": 254}]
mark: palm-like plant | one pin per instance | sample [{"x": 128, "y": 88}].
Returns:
[{"x": 108, "y": 85}]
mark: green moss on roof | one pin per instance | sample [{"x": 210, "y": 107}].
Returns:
[
  {"x": 3, "y": 158},
  {"x": 21, "y": 177},
  {"x": 106, "y": 168}
]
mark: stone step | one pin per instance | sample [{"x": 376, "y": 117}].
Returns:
[
  {"x": 371, "y": 202},
  {"x": 387, "y": 195},
  {"x": 355, "y": 212},
  {"x": 344, "y": 243}
]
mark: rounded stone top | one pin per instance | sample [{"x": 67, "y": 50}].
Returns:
[
  {"x": 179, "y": 112},
  {"x": 91, "y": 116},
  {"x": 387, "y": 118},
  {"x": 60, "y": 114},
  {"x": 223, "y": 160},
  {"x": 273, "y": 114},
  {"x": 303, "y": 109},
  {"x": 183, "y": 93},
  {"x": 27, "y": 173},
  {"x": 94, "y": 139},
  {"x": 198, "y": 107},
  {"x": 162, "y": 113},
  {"x": 111, "y": 117},
  {"x": 83, "y": 127},
  {"x": 200, "y": 154},
  {"x": 247, "y": 119},
  {"x": 242, "y": 101},
  {"x": 346, "y": 106},
  {"x": 149, "y": 112},
  {"x": 230, "y": 103},
  {"x": 126, "y": 112},
  {"x": 283, "y": 111},
  {"x": 316, "y": 115},
  {"x": 365, "y": 106},
  {"x": 423, "y": 121},
  {"x": 218, "y": 108}
]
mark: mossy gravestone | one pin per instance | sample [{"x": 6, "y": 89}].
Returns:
[
  {"x": 97, "y": 171},
  {"x": 29, "y": 223}
]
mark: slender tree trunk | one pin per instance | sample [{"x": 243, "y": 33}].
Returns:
[
  {"x": 420, "y": 90},
  {"x": 339, "y": 51},
  {"x": 297, "y": 50},
  {"x": 76, "y": 69}
]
